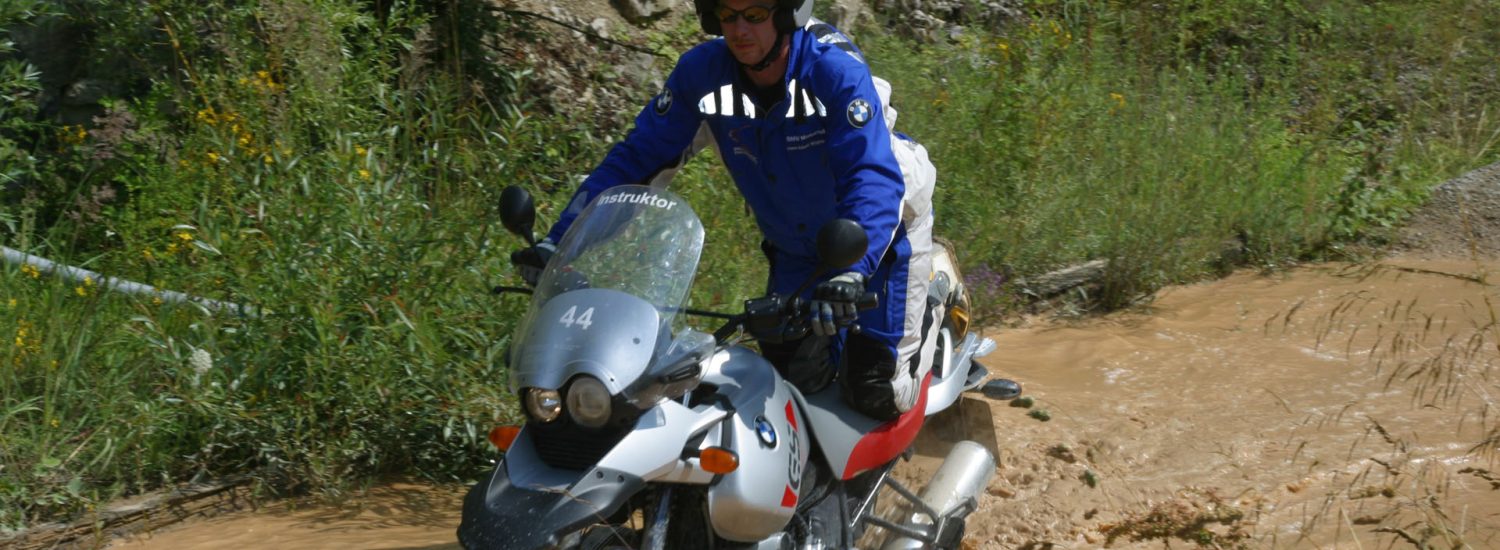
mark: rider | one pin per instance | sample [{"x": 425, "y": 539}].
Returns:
[{"x": 806, "y": 132}]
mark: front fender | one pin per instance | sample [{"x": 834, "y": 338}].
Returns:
[{"x": 498, "y": 514}]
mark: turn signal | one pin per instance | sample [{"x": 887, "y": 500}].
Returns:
[
  {"x": 503, "y": 436},
  {"x": 959, "y": 316},
  {"x": 718, "y": 460}
]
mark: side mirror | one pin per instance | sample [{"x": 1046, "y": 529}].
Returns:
[
  {"x": 518, "y": 212},
  {"x": 841, "y": 243}
]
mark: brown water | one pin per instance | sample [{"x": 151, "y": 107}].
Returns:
[{"x": 1332, "y": 407}]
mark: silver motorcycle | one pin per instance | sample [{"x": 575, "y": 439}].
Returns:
[{"x": 642, "y": 432}]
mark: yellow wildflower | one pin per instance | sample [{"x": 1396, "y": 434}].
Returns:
[
  {"x": 1119, "y": 100},
  {"x": 359, "y": 151},
  {"x": 364, "y": 174},
  {"x": 172, "y": 248},
  {"x": 266, "y": 159},
  {"x": 184, "y": 236},
  {"x": 150, "y": 257},
  {"x": 207, "y": 115},
  {"x": 81, "y": 290},
  {"x": 30, "y": 271},
  {"x": 156, "y": 300},
  {"x": 27, "y": 341},
  {"x": 54, "y": 422},
  {"x": 212, "y": 157},
  {"x": 12, "y": 303}
]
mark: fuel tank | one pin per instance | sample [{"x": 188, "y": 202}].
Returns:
[{"x": 770, "y": 434}]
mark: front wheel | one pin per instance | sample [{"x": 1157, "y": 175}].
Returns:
[{"x": 609, "y": 537}]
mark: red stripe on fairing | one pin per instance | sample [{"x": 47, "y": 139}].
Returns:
[
  {"x": 883, "y": 443},
  {"x": 790, "y": 418},
  {"x": 788, "y": 498}
]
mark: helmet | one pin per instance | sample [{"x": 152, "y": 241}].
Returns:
[{"x": 790, "y": 15}]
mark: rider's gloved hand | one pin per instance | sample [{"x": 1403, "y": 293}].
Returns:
[
  {"x": 833, "y": 303},
  {"x": 530, "y": 261}
]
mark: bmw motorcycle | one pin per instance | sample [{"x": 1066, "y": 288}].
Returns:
[{"x": 642, "y": 432}]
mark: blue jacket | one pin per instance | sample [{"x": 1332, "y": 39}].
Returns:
[{"x": 822, "y": 152}]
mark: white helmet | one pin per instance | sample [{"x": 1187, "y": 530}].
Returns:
[{"x": 789, "y": 15}]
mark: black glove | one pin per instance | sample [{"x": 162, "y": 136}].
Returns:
[
  {"x": 833, "y": 303},
  {"x": 530, "y": 261}
]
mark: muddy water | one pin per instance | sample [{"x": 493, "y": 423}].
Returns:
[
  {"x": 1324, "y": 405},
  {"x": 1330, "y": 407}
]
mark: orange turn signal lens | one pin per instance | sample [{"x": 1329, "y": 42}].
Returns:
[
  {"x": 718, "y": 460},
  {"x": 503, "y": 436}
]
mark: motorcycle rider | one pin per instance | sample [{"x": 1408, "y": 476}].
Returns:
[{"x": 807, "y": 134}]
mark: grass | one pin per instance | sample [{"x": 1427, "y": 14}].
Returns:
[
  {"x": 336, "y": 168},
  {"x": 1087, "y": 131}
]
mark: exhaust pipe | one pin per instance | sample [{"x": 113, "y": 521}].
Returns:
[{"x": 965, "y": 472}]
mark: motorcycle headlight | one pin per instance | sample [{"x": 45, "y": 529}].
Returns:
[
  {"x": 589, "y": 402},
  {"x": 543, "y": 405}
]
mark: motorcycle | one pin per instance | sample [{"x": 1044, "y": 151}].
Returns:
[{"x": 642, "y": 432}]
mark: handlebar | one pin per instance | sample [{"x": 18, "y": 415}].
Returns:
[{"x": 777, "y": 318}]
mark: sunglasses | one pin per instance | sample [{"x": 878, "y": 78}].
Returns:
[{"x": 752, "y": 14}]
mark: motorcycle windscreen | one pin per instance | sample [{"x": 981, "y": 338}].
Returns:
[{"x": 632, "y": 240}]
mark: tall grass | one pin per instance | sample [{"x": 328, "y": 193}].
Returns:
[
  {"x": 334, "y": 165},
  {"x": 1156, "y": 136}
]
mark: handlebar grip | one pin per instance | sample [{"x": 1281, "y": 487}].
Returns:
[{"x": 868, "y": 300}]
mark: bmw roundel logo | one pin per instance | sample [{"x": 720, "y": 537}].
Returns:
[
  {"x": 765, "y": 431},
  {"x": 664, "y": 101},
  {"x": 860, "y": 113}
]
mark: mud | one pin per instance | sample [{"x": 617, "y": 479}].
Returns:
[
  {"x": 391, "y": 516},
  {"x": 1332, "y": 406}
]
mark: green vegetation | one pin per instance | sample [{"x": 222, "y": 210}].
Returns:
[
  {"x": 1151, "y": 134},
  {"x": 334, "y": 164}
]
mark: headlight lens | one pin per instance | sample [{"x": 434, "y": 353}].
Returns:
[
  {"x": 589, "y": 402},
  {"x": 543, "y": 405}
]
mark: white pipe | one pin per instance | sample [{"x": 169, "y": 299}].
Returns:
[
  {"x": 964, "y": 473},
  {"x": 77, "y": 275}
]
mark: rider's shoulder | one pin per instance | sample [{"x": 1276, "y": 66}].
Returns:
[{"x": 833, "y": 63}]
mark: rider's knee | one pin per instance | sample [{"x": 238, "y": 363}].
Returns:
[{"x": 870, "y": 379}]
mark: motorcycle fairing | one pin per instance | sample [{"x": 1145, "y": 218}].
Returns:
[
  {"x": 528, "y": 504},
  {"x": 615, "y": 344},
  {"x": 853, "y": 443},
  {"x": 759, "y": 498}
]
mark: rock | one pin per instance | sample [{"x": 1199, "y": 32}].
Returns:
[
  {"x": 642, "y": 11},
  {"x": 600, "y": 26}
]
